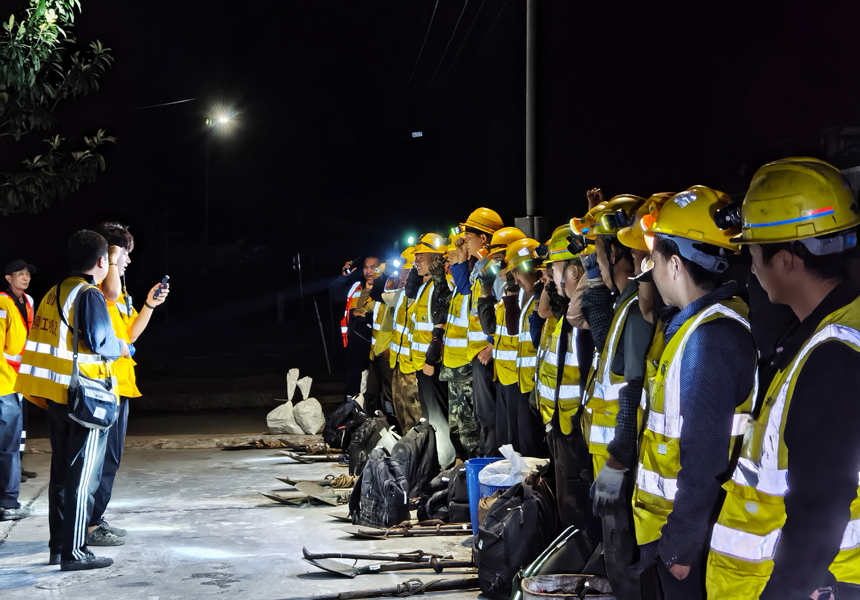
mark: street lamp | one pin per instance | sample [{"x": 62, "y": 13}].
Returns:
[{"x": 218, "y": 124}]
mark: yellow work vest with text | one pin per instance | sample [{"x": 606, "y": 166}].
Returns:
[
  {"x": 13, "y": 336},
  {"x": 526, "y": 351},
  {"x": 401, "y": 353},
  {"x": 505, "y": 347},
  {"x": 476, "y": 336},
  {"x": 455, "y": 352},
  {"x": 122, "y": 317},
  {"x": 46, "y": 366},
  {"x": 659, "y": 454},
  {"x": 568, "y": 399},
  {"x": 747, "y": 533},
  {"x": 382, "y": 329},
  {"x": 601, "y": 401},
  {"x": 421, "y": 324}
]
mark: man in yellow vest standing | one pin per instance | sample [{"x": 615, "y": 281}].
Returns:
[
  {"x": 128, "y": 325},
  {"x": 790, "y": 523},
  {"x": 77, "y": 452},
  {"x": 700, "y": 397},
  {"x": 13, "y": 336}
]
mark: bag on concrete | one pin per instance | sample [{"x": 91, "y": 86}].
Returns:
[
  {"x": 281, "y": 419},
  {"x": 379, "y": 498},
  {"x": 309, "y": 415},
  {"x": 509, "y": 539},
  {"x": 434, "y": 507},
  {"x": 364, "y": 439},
  {"x": 416, "y": 452},
  {"x": 339, "y": 421}
]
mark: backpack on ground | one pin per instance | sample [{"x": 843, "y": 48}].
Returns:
[
  {"x": 333, "y": 433},
  {"x": 379, "y": 498},
  {"x": 509, "y": 539},
  {"x": 364, "y": 439},
  {"x": 458, "y": 496},
  {"x": 416, "y": 451}
]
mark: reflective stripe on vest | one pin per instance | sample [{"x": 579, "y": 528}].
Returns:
[
  {"x": 526, "y": 351},
  {"x": 659, "y": 457},
  {"x": 421, "y": 324},
  {"x": 748, "y": 531}
]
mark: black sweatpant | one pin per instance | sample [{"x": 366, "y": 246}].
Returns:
[
  {"x": 113, "y": 456},
  {"x": 484, "y": 399},
  {"x": 77, "y": 454},
  {"x": 378, "y": 396},
  {"x": 692, "y": 587},
  {"x": 620, "y": 551}
]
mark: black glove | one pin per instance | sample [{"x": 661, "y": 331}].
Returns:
[
  {"x": 434, "y": 352},
  {"x": 576, "y": 244},
  {"x": 539, "y": 288},
  {"x": 487, "y": 279},
  {"x": 437, "y": 266},
  {"x": 542, "y": 252},
  {"x": 557, "y": 302},
  {"x": 510, "y": 284}
]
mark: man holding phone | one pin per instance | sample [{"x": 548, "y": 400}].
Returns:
[
  {"x": 128, "y": 324},
  {"x": 357, "y": 323}
]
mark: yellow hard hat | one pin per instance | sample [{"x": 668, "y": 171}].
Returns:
[
  {"x": 609, "y": 221},
  {"x": 504, "y": 237},
  {"x": 408, "y": 256},
  {"x": 431, "y": 243},
  {"x": 690, "y": 215},
  {"x": 519, "y": 252},
  {"x": 796, "y": 198},
  {"x": 646, "y": 215},
  {"x": 452, "y": 242},
  {"x": 484, "y": 219},
  {"x": 585, "y": 226},
  {"x": 558, "y": 244}
]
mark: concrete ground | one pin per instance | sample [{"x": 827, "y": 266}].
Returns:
[{"x": 197, "y": 529}]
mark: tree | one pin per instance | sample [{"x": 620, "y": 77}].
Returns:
[{"x": 41, "y": 65}]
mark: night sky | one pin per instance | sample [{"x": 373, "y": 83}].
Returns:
[{"x": 633, "y": 97}]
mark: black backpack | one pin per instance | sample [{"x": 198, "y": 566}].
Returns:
[
  {"x": 509, "y": 539},
  {"x": 458, "y": 496},
  {"x": 379, "y": 497},
  {"x": 338, "y": 423},
  {"x": 364, "y": 439},
  {"x": 416, "y": 451}
]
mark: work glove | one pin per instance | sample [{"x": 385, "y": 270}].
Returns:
[
  {"x": 434, "y": 352},
  {"x": 557, "y": 302},
  {"x": 487, "y": 279},
  {"x": 510, "y": 284},
  {"x": 437, "y": 266},
  {"x": 606, "y": 489}
]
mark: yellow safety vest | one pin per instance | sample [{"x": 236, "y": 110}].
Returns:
[
  {"x": 746, "y": 535},
  {"x": 46, "y": 366},
  {"x": 13, "y": 336},
  {"x": 476, "y": 336},
  {"x": 568, "y": 391},
  {"x": 526, "y": 353},
  {"x": 421, "y": 324},
  {"x": 659, "y": 453},
  {"x": 505, "y": 347},
  {"x": 601, "y": 401},
  {"x": 455, "y": 351},
  {"x": 122, "y": 316},
  {"x": 382, "y": 325},
  {"x": 401, "y": 353}
]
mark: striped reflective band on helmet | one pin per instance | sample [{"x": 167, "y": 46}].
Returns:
[
  {"x": 505, "y": 355},
  {"x": 747, "y": 546},
  {"x": 812, "y": 214},
  {"x": 527, "y": 362},
  {"x": 655, "y": 484}
]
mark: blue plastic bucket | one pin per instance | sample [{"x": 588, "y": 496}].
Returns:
[
  {"x": 489, "y": 490},
  {"x": 473, "y": 467}
]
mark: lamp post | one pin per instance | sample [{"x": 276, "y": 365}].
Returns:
[{"x": 217, "y": 125}]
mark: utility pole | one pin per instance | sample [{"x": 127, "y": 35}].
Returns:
[{"x": 532, "y": 225}]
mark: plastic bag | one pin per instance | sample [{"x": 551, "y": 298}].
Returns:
[
  {"x": 309, "y": 415},
  {"x": 304, "y": 385},
  {"x": 281, "y": 420},
  {"x": 508, "y": 472},
  {"x": 292, "y": 378}
]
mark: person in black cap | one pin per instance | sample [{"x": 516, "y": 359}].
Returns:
[{"x": 18, "y": 273}]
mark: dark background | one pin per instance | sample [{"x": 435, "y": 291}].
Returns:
[{"x": 632, "y": 97}]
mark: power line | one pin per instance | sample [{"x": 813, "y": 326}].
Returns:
[
  {"x": 463, "y": 43},
  {"x": 163, "y": 104},
  {"x": 422, "y": 45},
  {"x": 448, "y": 45},
  {"x": 489, "y": 31}
]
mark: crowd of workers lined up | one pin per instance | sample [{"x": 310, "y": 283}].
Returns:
[
  {"x": 42, "y": 360},
  {"x": 710, "y": 443}
]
